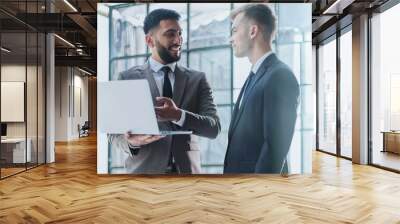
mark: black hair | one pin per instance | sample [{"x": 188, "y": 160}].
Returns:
[{"x": 154, "y": 17}]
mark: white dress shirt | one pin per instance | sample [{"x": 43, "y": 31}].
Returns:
[
  {"x": 257, "y": 65},
  {"x": 159, "y": 78},
  {"x": 254, "y": 69}
]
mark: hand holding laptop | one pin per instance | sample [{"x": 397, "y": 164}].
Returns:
[{"x": 140, "y": 140}]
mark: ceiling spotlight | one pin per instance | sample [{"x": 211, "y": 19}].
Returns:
[
  {"x": 70, "y": 5},
  {"x": 5, "y": 50},
  {"x": 84, "y": 71},
  {"x": 65, "y": 41},
  {"x": 337, "y": 7}
]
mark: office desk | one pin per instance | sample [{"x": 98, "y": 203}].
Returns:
[
  {"x": 391, "y": 141},
  {"x": 13, "y": 150}
]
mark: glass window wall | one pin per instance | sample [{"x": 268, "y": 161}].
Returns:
[
  {"x": 22, "y": 88},
  {"x": 385, "y": 89},
  {"x": 327, "y": 97}
]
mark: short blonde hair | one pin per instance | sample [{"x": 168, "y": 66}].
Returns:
[{"x": 261, "y": 14}]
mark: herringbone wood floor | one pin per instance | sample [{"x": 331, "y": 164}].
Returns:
[{"x": 70, "y": 191}]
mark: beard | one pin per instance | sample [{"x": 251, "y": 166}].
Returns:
[{"x": 165, "y": 55}]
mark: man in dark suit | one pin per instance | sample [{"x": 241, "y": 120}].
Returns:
[
  {"x": 264, "y": 117},
  {"x": 183, "y": 100}
]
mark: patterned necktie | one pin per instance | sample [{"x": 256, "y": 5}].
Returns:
[{"x": 167, "y": 87}]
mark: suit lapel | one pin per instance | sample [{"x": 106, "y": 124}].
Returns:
[
  {"x": 148, "y": 74},
  {"x": 260, "y": 73},
  {"x": 235, "y": 113},
  {"x": 179, "y": 86}
]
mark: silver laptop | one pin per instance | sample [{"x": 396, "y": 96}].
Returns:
[{"x": 126, "y": 105}]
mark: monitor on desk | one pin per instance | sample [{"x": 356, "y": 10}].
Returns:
[{"x": 3, "y": 130}]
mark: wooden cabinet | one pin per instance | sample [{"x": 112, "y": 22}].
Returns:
[{"x": 391, "y": 142}]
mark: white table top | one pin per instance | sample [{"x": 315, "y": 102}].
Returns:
[{"x": 13, "y": 140}]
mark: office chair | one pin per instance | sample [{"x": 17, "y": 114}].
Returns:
[{"x": 84, "y": 130}]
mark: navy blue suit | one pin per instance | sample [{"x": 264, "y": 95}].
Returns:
[{"x": 261, "y": 129}]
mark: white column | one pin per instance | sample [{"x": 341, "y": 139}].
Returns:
[
  {"x": 50, "y": 99},
  {"x": 360, "y": 90},
  {"x": 102, "y": 76}
]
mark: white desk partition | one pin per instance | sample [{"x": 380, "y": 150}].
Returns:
[{"x": 19, "y": 149}]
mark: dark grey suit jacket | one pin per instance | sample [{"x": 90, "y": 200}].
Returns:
[
  {"x": 261, "y": 130},
  {"x": 192, "y": 93}
]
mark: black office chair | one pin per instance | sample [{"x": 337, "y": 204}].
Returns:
[{"x": 84, "y": 130}]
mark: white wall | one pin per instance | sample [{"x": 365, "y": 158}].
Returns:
[
  {"x": 17, "y": 73},
  {"x": 61, "y": 103},
  {"x": 71, "y": 102},
  {"x": 33, "y": 126},
  {"x": 14, "y": 73},
  {"x": 81, "y": 82}
]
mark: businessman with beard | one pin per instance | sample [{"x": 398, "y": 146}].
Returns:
[{"x": 183, "y": 101}]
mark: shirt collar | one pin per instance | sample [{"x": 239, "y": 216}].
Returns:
[
  {"x": 156, "y": 66},
  {"x": 257, "y": 65}
]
